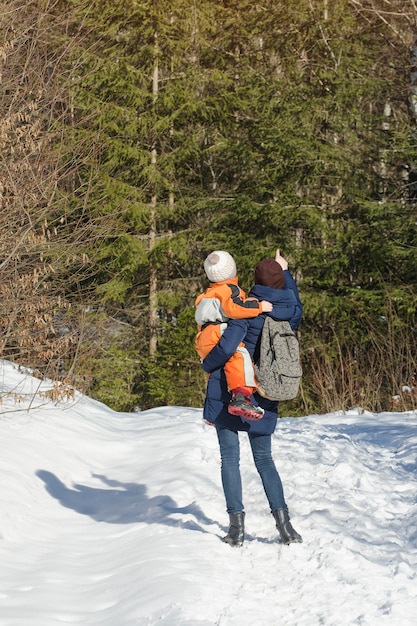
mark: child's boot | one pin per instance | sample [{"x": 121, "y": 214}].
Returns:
[{"x": 241, "y": 405}]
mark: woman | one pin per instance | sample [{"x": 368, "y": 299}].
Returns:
[{"x": 273, "y": 282}]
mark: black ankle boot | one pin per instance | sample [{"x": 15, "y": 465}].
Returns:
[
  {"x": 236, "y": 533},
  {"x": 287, "y": 532}
]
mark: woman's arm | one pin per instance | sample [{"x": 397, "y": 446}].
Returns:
[
  {"x": 298, "y": 312},
  {"x": 290, "y": 284}
]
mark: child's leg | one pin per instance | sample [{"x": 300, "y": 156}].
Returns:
[
  {"x": 238, "y": 369},
  {"x": 239, "y": 372},
  {"x": 241, "y": 382}
]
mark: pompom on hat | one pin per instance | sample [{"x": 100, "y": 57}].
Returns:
[
  {"x": 270, "y": 274},
  {"x": 219, "y": 265}
]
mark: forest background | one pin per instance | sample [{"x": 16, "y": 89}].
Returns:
[{"x": 138, "y": 135}]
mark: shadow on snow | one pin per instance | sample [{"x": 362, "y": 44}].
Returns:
[{"x": 123, "y": 503}]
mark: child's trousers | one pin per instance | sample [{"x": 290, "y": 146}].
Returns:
[{"x": 238, "y": 369}]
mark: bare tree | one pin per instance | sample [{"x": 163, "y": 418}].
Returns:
[{"x": 39, "y": 325}]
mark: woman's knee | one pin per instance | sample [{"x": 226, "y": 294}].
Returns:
[
  {"x": 264, "y": 463},
  {"x": 262, "y": 453}
]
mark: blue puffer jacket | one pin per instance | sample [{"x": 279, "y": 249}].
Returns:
[{"x": 287, "y": 306}]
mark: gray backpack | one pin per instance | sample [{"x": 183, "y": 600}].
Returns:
[{"x": 278, "y": 368}]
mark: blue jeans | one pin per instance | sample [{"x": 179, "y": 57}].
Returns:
[{"x": 230, "y": 470}]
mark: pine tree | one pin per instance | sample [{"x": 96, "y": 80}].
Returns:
[{"x": 247, "y": 127}]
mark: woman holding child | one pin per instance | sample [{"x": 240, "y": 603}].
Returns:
[{"x": 273, "y": 284}]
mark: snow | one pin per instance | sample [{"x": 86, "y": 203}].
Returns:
[{"x": 115, "y": 519}]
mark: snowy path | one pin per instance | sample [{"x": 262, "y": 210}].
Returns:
[{"x": 111, "y": 519}]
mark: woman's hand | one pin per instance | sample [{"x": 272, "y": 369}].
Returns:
[{"x": 280, "y": 259}]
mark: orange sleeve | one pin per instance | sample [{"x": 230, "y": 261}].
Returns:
[{"x": 235, "y": 305}]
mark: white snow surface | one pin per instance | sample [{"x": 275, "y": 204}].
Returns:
[{"x": 116, "y": 519}]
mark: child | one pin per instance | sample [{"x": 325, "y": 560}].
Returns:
[{"x": 224, "y": 300}]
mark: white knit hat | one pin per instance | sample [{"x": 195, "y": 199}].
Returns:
[{"x": 219, "y": 266}]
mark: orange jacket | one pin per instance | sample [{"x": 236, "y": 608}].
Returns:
[{"x": 223, "y": 301}]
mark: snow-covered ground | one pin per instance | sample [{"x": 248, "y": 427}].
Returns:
[{"x": 115, "y": 519}]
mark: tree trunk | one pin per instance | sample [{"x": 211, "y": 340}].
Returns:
[{"x": 153, "y": 279}]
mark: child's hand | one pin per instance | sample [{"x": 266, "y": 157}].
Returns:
[
  {"x": 266, "y": 306},
  {"x": 280, "y": 259}
]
